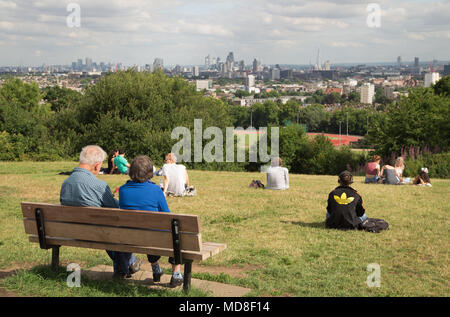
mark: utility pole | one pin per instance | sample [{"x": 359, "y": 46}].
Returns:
[
  {"x": 347, "y": 123},
  {"x": 340, "y": 132}
]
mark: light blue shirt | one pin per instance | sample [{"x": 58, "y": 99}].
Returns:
[{"x": 83, "y": 189}]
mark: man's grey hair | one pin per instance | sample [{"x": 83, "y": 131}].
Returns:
[{"x": 92, "y": 154}]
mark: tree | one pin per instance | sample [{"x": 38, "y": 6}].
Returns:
[{"x": 419, "y": 120}]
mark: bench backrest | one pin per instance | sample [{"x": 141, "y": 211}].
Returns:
[{"x": 113, "y": 229}]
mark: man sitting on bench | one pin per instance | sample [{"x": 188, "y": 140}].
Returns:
[{"x": 83, "y": 189}]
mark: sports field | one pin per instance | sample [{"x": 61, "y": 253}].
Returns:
[{"x": 277, "y": 243}]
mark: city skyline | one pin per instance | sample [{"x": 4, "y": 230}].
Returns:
[{"x": 183, "y": 33}]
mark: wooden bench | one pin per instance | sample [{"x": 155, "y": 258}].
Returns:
[{"x": 156, "y": 233}]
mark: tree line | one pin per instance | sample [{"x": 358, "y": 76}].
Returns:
[{"x": 138, "y": 111}]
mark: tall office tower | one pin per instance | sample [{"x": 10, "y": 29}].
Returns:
[
  {"x": 250, "y": 83},
  {"x": 416, "y": 62},
  {"x": 431, "y": 79},
  {"x": 230, "y": 57},
  {"x": 275, "y": 74},
  {"x": 256, "y": 66},
  {"x": 446, "y": 70},
  {"x": 327, "y": 65},
  {"x": 207, "y": 61},
  {"x": 399, "y": 61},
  {"x": 88, "y": 63},
  {"x": 158, "y": 64},
  {"x": 241, "y": 66},
  {"x": 196, "y": 71},
  {"x": 367, "y": 93},
  {"x": 80, "y": 64}
]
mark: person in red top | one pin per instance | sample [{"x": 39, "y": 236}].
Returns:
[{"x": 373, "y": 170}]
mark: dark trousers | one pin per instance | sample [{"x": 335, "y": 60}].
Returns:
[
  {"x": 155, "y": 258},
  {"x": 121, "y": 261}
]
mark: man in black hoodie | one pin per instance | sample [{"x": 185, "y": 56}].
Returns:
[{"x": 345, "y": 207}]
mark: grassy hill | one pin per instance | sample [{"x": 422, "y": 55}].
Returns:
[{"x": 276, "y": 240}]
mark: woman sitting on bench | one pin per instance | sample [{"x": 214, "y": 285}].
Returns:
[{"x": 140, "y": 193}]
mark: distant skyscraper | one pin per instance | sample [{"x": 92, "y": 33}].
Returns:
[
  {"x": 196, "y": 71},
  {"x": 446, "y": 70},
  {"x": 416, "y": 62},
  {"x": 327, "y": 65},
  {"x": 367, "y": 93},
  {"x": 431, "y": 79},
  {"x": 207, "y": 61},
  {"x": 230, "y": 57},
  {"x": 275, "y": 74},
  {"x": 250, "y": 83},
  {"x": 256, "y": 66},
  {"x": 399, "y": 61}
]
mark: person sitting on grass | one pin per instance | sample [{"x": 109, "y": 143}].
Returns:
[
  {"x": 345, "y": 206},
  {"x": 373, "y": 173},
  {"x": 277, "y": 176},
  {"x": 84, "y": 189},
  {"x": 423, "y": 179},
  {"x": 140, "y": 193},
  {"x": 176, "y": 179},
  {"x": 121, "y": 162}
]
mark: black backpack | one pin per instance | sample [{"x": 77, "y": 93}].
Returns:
[{"x": 375, "y": 225}]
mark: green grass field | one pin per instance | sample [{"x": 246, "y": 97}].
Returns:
[{"x": 276, "y": 239}]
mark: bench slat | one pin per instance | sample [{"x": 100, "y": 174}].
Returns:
[
  {"x": 96, "y": 233},
  {"x": 112, "y": 217},
  {"x": 208, "y": 248}
]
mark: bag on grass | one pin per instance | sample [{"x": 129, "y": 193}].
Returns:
[
  {"x": 375, "y": 225},
  {"x": 256, "y": 184}
]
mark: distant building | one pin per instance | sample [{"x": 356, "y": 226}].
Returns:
[
  {"x": 367, "y": 93},
  {"x": 389, "y": 92},
  {"x": 446, "y": 70},
  {"x": 275, "y": 74},
  {"x": 203, "y": 84},
  {"x": 196, "y": 71},
  {"x": 399, "y": 61},
  {"x": 250, "y": 83},
  {"x": 431, "y": 79},
  {"x": 416, "y": 62}
]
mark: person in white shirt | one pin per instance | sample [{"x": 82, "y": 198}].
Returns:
[
  {"x": 176, "y": 179},
  {"x": 277, "y": 176}
]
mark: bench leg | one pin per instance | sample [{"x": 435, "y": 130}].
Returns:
[
  {"x": 187, "y": 276},
  {"x": 55, "y": 258}
]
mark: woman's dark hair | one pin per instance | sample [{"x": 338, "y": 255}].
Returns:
[
  {"x": 141, "y": 169},
  {"x": 425, "y": 177},
  {"x": 121, "y": 151}
]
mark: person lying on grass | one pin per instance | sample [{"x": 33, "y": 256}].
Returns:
[
  {"x": 345, "y": 206},
  {"x": 140, "y": 193}
]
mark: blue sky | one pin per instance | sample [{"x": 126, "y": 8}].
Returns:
[{"x": 184, "y": 32}]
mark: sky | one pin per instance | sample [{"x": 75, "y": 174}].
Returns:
[{"x": 183, "y": 32}]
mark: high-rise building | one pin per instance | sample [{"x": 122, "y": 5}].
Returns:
[
  {"x": 416, "y": 62},
  {"x": 431, "y": 79},
  {"x": 399, "y": 61},
  {"x": 367, "y": 93},
  {"x": 275, "y": 74},
  {"x": 446, "y": 70},
  {"x": 196, "y": 71},
  {"x": 207, "y": 61},
  {"x": 250, "y": 83},
  {"x": 256, "y": 66}
]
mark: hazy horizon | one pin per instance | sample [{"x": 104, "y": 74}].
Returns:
[{"x": 184, "y": 32}]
